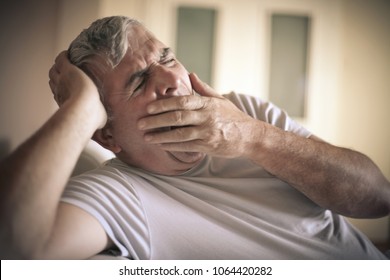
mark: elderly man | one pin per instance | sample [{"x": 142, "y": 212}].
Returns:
[{"x": 197, "y": 175}]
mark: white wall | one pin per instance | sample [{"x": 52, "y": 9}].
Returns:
[
  {"x": 74, "y": 16},
  {"x": 31, "y": 35},
  {"x": 364, "y": 103},
  {"x": 364, "y": 114},
  {"x": 27, "y": 36}
]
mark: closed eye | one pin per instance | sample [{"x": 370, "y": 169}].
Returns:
[
  {"x": 137, "y": 81},
  {"x": 140, "y": 85},
  {"x": 169, "y": 62}
]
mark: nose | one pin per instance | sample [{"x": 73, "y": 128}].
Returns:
[{"x": 167, "y": 81}]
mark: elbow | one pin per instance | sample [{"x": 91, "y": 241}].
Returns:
[
  {"x": 364, "y": 200},
  {"x": 387, "y": 199},
  {"x": 377, "y": 202},
  {"x": 15, "y": 248},
  {"x": 382, "y": 199},
  {"x": 17, "y": 253}
]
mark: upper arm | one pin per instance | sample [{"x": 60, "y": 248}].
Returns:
[
  {"x": 76, "y": 235},
  {"x": 314, "y": 137}
]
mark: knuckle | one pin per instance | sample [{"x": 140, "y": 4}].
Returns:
[
  {"x": 183, "y": 102},
  {"x": 180, "y": 133},
  {"x": 203, "y": 103},
  {"x": 177, "y": 117},
  {"x": 210, "y": 138}
]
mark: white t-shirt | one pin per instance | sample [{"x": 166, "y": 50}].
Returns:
[{"x": 220, "y": 209}]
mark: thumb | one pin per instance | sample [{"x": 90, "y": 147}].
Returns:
[{"x": 201, "y": 87}]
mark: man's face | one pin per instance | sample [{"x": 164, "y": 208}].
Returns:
[{"x": 149, "y": 71}]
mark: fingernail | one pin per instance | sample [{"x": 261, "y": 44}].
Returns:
[
  {"x": 151, "y": 109},
  {"x": 148, "y": 137},
  {"x": 141, "y": 124}
]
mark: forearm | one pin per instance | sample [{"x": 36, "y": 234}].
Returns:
[
  {"x": 336, "y": 178},
  {"x": 34, "y": 176}
]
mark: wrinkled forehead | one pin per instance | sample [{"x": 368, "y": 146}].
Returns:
[
  {"x": 142, "y": 48},
  {"x": 141, "y": 40}
]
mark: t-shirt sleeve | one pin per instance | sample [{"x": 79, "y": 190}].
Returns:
[
  {"x": 114, "y": 203},
  {"x": 267, "y": 112}
]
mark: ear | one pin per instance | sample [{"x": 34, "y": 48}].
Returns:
[{"x": 105, "y": 139}]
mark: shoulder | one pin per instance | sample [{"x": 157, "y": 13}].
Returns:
[
  {"x": 102, "y": 175},
  {"x": 256, "y": 107},
  {"x": 113, "y": 180},
  {"x": 111, "y": 196},
  {"x": 95, "y": 186},
  {"x": 267, "y": 112}
]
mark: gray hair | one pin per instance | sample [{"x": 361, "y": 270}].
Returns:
[
  {"x": 105, "y": 38},
  {"x": 103, "y": 44}
]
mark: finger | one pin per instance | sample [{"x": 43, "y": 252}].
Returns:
[
  {"x": 175, "y": 135},
  {"x": 55, "y": 70},
  {"x": 188, "y": 146},
  {"x": 53, "y": 73},
  {"x": 171, "y": 119},
  {"x": 52, "y": 86},
  {"x": 185, "y": 102},
  {"x": 61, "y": 58},
  {"x": 53, "y": 79},
  {"x": 201, "y": 87}
]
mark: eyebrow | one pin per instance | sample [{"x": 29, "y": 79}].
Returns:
[{"x": 163, "y": 54}]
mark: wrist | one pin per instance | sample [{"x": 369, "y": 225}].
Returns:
[
  {"x": 253, "y": 146},
  {"x": 90, "y": 109}
]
